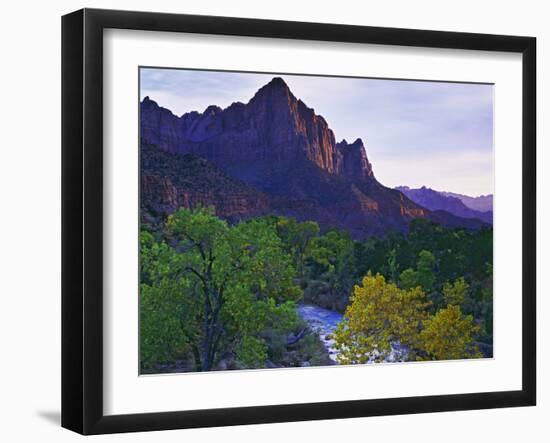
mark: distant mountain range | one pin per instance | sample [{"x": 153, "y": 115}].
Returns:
[
  {"x": 457, "y": 204},
  {"x": 482, "y": 203},
  {"x": 272, "y": 155}
]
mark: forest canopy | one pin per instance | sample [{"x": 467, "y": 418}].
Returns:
[{"x": 216, "y": 295}]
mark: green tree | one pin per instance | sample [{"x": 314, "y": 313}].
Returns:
[
  {"x": 455, "y": 293},
  {"x": 487, "y": 297},
  {"x": 449, "y": 335},
  {"x": 333, "y": 256},
  {"x": 164, "y": 307},
  {"x": 380, "y": 313},
  {"x": 408, "y": 279},
  {"x": 296, "y": 238},
  {"x": 425, "y": 270},
  {"x": 393, "y": 265},
  {"x": 424, "y": 274},
  {"x": 232, "y": 283}
]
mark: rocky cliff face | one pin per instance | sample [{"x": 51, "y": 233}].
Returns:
[
  {"x": 273, "y": 129},
  {"x": 170, "y": 181},
  {"x": 271, "y": 155}
]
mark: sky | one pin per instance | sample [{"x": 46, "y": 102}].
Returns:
[{"x": 416, "y": 133}]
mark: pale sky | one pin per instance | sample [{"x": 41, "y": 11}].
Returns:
[{"x": 433, "y": 134}]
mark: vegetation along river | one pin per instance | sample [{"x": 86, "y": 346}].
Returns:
[{"x": 324, "y": 321}]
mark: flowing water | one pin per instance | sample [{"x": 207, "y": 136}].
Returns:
[{"x": 323, "y": 321}]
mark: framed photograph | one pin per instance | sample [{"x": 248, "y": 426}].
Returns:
[{"x": 269, "y": 221}]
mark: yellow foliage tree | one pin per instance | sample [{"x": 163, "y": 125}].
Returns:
[
  {"x": 379, "y": 314},
  {"x": 448, "y": 335}
]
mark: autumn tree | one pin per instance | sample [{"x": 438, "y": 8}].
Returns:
[
  {"x": 379, "y": 314},
  {"x": 449, "y": 335}
]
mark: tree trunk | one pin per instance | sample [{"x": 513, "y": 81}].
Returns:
[
  {"x": 206, "y": 363},
  {"x": 197, "y": 357}
]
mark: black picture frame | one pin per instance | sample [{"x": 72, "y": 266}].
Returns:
[{"x": 82, "y": 218}]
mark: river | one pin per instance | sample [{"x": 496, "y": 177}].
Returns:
[{"x": 323, "y": 321}]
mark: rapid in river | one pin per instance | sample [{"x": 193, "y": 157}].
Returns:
[{"x": 323, "y": 321}]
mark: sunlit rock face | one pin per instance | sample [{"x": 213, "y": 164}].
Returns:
[{"x": 273, "y": 127}]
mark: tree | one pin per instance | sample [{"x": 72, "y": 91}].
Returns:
[
  {"x": 380, "y": 314},
  {"x": 425, "y": 270},
  {"x": 455, "y": 293},
  {"x": 408, "y": 279},
  {"x": 448, "y": 335},
  {"x": 487, "y": 298},
  {"x": 231, "y": 283},
  {"x": 393, "y": 266},
  {"x": 334, "y": 260},
  {"x": 164, "y": 308},
  {"x": 297, "y": 237},
  {"x": 423, "y": 276}
]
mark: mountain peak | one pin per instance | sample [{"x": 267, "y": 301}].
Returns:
[
  {"x": 277, "y": 83},
  {"x": 212, "y": 110},
  {"x": 285, "y": 131},
  {"x": 276, "y": 88},
  {"x": 148, "y": 102},
  {"x": 355, "y": 165}
]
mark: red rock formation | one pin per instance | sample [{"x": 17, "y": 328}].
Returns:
[
  {"x": 171, "y": 181},
  {"x": 274, "y": 126},
  {"x": 272, "y": 155}
]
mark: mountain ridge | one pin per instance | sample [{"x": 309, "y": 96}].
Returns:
[
  {"x": 481, "y": 203},
  {"x": 293, "y": 130},
  {"x": 280, "y": 147},
  {"x": 437, "y": 200}
]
